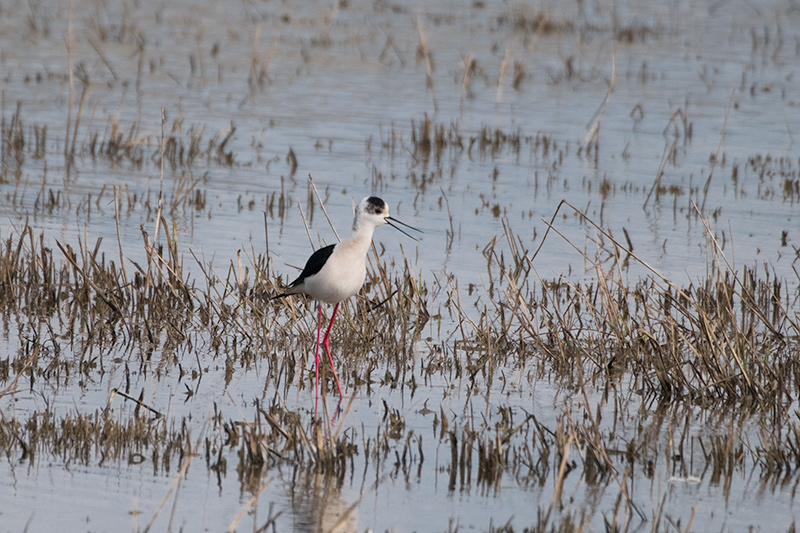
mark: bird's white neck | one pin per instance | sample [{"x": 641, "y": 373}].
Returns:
[{"x": 362, "y": 234}]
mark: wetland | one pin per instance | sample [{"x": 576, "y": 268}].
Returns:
[{"x": 598, "y": 330}]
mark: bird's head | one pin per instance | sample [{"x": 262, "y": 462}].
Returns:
[{"x": 373, "y": 210}]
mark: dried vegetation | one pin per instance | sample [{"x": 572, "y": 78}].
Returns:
[
  {"x": 669, "y": 351},
  {"x": 635, "y": 364}
]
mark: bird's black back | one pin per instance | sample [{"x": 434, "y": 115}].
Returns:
[{"x": 314, "y": 264}]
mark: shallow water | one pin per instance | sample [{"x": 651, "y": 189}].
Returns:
[{"x": 340, "y": 85}]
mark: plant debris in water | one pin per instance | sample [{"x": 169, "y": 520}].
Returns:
[
  {"x": 727, "y": 342},
  {"x": 616, "y": 397}
]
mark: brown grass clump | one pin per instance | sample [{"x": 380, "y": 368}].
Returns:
[
  {"x": 730, "y": 338},
  {"x": 633, "y": 364}
]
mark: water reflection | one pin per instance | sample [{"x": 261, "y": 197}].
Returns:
[{"x": 318, "y": 504}]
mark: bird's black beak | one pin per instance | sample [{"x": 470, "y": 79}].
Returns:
[{"x": 389, "y": 221}]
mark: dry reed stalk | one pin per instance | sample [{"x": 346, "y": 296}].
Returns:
[
  {"x": 150, "y": 245},
  {"x": 668, "y": 148},
  {"x": 719, "y": 150},
  {"x": 502, "y": 75},
  {"x": 562, "y": 473},
  {"x": 250, "y": 503},
  {"x": 305, "y": 225},
  {"x": 117, "y": 202},
  {"x": 469, "y": 65},
  {"x": 138, "y": 401},
  {"x": 322, "y": 206},
  {"x": 85, "y": 85},
  {"x": 68, "y": 44},
  {"x": 175, "y": 486},
  {"x": 427, "y": 56},
  {"x": 593, "y": 126}
]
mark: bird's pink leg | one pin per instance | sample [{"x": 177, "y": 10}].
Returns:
[
  {"x": 316, "y": 361},
  {"x": 330, "y": 358}
]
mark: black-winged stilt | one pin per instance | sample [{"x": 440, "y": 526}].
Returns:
[{"x": 337, "y": 271}]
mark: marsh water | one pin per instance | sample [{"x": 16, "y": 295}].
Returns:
[{"x": 672, "y": 126}]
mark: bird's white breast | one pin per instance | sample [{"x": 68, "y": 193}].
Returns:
[{"x": 342, "y": 275}]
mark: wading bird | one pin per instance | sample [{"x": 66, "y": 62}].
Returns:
[{"x": 337, "y": 271}]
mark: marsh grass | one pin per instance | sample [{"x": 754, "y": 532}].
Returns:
[
  {"x": 134, "y": 143},
  {"x": 76, "y": 315},
  {"x": 728, "y": 340},
  {"x": 694, "y": 380},
  {"x": 730, "y": 337}
]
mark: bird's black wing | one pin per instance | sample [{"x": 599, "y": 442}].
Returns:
[{"x": 314, "y": 264}]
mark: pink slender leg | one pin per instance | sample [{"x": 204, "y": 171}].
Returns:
[
  {"x": 330, "y": 358},
  {"x": 316, "y": 361}
]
